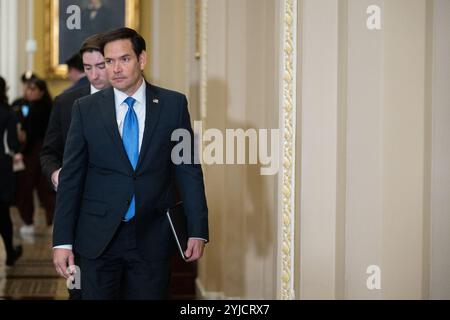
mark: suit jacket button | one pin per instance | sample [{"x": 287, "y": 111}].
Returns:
[{"x": 134, "y": 177}]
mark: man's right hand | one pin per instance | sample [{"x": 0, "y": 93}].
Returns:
[
  {"x": 55, "y": 179},
  {"x": 63, "y": 260}
]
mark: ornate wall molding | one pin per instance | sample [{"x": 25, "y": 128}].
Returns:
[
  {"x": 204, "y": 60},
  {"x": 286, "y": 190}
]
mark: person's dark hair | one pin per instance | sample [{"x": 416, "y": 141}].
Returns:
[
  {"x": 75, "y": 62},
  {"x": 92, "y": 44},
  {"x": 27, "y": 76},
  {"x": 42, "y": 86},
  {"x": 3, "y": 95},
  {"x": 136, "y": 39}
]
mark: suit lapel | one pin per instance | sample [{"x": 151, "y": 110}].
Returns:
[
  {"x": 153, "y": 110},
  {"x": 108, "y": 111}
]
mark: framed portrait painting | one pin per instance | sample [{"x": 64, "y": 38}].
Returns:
[{"x": 70, "y": 22}]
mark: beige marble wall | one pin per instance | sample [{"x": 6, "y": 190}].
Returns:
[
  {"x": 242, "y": 90},
  {"x": 440, "y": 183},
  {"x": 168, "y": 44},
  {"x": 366, "y": 149}
]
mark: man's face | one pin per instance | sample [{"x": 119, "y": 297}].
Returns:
[
  {"x": 123, "y": 67},
  {"x": 95, "y": 69}
]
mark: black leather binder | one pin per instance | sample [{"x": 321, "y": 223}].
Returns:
[{"x": 177, "y": 221}]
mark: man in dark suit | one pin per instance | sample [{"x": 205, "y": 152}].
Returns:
[
  {"x": 117, "y": 180},
  {"x": 58, "y": 127}
]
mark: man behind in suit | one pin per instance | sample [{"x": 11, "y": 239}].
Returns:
[
  {"x": 58, "y": 127},
  {"x": 117, "y": 180}
]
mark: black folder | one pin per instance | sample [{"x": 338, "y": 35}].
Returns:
[{"x": 177, "y": 221}]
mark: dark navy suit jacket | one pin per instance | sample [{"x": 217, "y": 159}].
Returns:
[
  {"x": 57, "y": 130},
  {"x": 97, "y": 181}
]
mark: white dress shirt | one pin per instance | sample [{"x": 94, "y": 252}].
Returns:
[
  {"x": 139, "y": 108},
  {"x": 94, "y": 89}
]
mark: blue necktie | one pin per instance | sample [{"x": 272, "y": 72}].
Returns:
[{"x": 130, "y": 138}]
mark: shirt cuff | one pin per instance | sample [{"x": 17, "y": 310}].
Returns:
[
  {"x": 200, "y": 239},
  {"x": 67, "y": 247}
]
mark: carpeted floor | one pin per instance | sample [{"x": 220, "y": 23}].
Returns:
[{"x": 33, "y": 276}]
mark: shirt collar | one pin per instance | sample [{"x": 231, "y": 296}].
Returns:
[
  {"x": 139, "y": 95},
  {"x": 94, "y": 89}
]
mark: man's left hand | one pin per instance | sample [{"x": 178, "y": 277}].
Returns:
[{"x": 194, "y": 250}]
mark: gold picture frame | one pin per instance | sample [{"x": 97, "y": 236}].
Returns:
[{"x": 55, "y": 68}]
